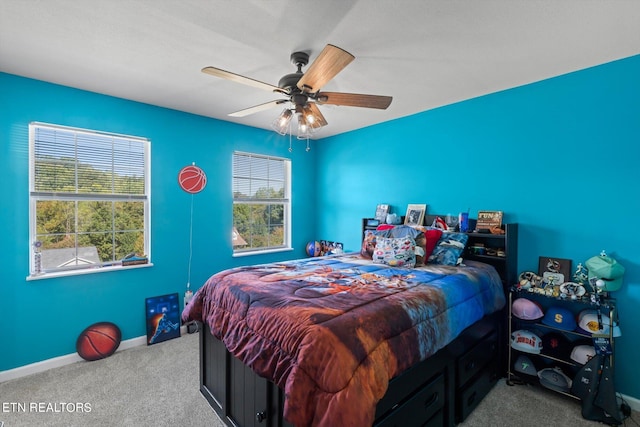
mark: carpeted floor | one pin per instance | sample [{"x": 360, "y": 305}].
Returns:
[
  {"x": 156, "y": 385},
  {"x": 159, "y": 386}
]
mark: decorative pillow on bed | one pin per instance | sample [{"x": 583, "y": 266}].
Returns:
[
  {"x": 432, "y": 236},
  {"x": 383, "y": 227},
  {"x": 449, "y": 249},
  {"x": 395, "y": 252},
  {"x": 401, "y": 231},
  {"x": 369, "y": 243}
]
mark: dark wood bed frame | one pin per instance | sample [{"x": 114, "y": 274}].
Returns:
[{"x": 440, "y": 391}]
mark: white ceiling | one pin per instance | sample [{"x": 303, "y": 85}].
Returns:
[{"x": 424, "y": 53}]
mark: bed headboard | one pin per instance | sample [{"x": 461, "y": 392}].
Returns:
[{"x": 506, "y": 266}]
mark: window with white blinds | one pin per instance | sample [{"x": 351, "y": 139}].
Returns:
[
  {"x": 89, "y": 198},
  {"x": 261, "y": 203}
]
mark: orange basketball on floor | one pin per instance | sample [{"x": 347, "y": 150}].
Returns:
[{"x": 98, "y": 341}]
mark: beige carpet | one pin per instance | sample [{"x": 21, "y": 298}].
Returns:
[
  {"x": 526, "y": 406},
  {"x": 159, "y": 386},
  {"x": 156, "y": 385}
]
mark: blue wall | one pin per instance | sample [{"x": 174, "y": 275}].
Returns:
[
  {"x": 41, "y": 319},
  {"x": 559, "y": 157}
]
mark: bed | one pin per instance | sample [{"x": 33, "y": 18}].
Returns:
[{"x": 342, "y": 340}]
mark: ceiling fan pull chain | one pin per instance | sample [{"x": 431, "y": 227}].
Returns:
[{"x": 290, "y": 147}]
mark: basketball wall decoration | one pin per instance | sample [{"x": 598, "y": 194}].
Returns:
[
  {"x": 98, "y": 341},
  {"x": 192, "y": 179}
]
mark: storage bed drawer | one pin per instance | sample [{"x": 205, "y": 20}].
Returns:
[
  {"x": 423, "y": 405},
  {"x": 476, "y": 359}
]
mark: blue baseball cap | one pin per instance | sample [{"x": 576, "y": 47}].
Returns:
[{"x": 560, "y": 318}]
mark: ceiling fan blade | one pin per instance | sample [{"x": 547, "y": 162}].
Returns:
[
  {"x": 228, "y": 75},
  {"x": 258, "y": 108},
  {"x": 318, "y": 118},
  {"x": 354, "y": 100},
  {"x": 326, "y": 66}
]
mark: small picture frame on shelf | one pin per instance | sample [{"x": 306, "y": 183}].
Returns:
[
  {"x": 556, "y": 269},
  {"x": 415, "y": 214},
  {"x": 381, "y": 212},
  {"x": 489, "y": 219}
]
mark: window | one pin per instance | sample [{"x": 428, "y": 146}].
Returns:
[
  {"x": 89, "y": 198},
  {"x": 261, "y": 203}
]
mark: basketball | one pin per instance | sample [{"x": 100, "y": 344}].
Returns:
[
  {"x": 98, "y": 341},
  {"x": 192, "y": 179},
  {"x": 314, "y": 248}
]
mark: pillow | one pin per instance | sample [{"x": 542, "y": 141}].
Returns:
[
  {"x": 368, "y": 244},
  {"x": 417, "y": 234},
  {"x": 449, "y": 249},
  {"x": 383, "y": 227},
  {"x": 395, "y": 252},
  {"x": 432, "y": 236}
]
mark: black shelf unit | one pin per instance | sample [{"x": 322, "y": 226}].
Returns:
[
  {"x": 606, "y": 306},
  {"x": 507, "y": 243}
]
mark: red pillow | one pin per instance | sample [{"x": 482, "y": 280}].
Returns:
[
  {"x": 383, "y": 227},
  {"x": 432, "y": 235}
]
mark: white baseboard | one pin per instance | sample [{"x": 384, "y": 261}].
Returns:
[
  {"x": 68, "y": 359},
  {"x": 632, "y": 402}
]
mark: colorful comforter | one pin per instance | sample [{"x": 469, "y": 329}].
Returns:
[{"x": 332, "y": 331}]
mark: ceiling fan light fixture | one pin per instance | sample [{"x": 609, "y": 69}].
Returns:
[
  {"x": 304, "y": 128},
  {"x": 281, "y": 123},
  {"x": 308, "y": 115},
  {"x": 314, "y": 118}
]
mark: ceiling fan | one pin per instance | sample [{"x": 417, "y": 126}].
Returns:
[{"x": 302, "y": 91}]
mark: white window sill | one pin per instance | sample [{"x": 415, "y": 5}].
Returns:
[
  {"x": 88, "y": 270},
  {"x": 261, "y": 252}
]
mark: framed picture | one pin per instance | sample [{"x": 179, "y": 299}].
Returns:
[
  {"x": 163, "y": 318},
  {"x": 415, "y": 214},
  {"x": 329, "y": 248},
  {"x": 556, "y": 269},
  {"x": 489, "y": 219},
  {"x": 381, "y": 212}
]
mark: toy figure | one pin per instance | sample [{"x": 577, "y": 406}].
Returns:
[{"x": 580, "y": 276}]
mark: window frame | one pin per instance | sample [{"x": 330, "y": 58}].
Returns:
[
  {"x": 286, "y": 202},
  {"x": 36, "y": 196}
]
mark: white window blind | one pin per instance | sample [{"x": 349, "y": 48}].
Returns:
[
  {"x": 261, "y": 202},
  {"x": 89, "y": 196},
  {"x": 74, "y": 162}
]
